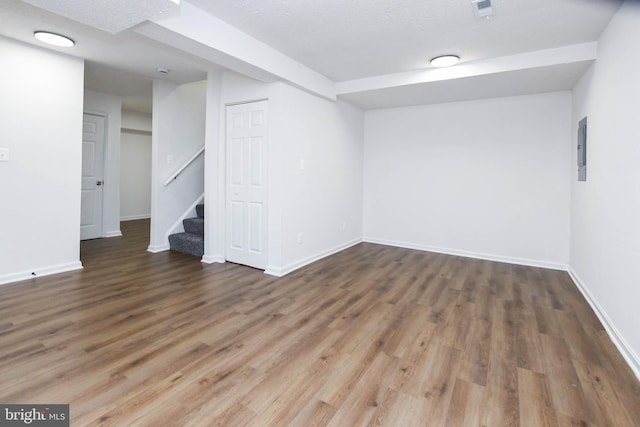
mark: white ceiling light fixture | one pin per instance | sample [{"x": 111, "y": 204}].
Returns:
[
  {"x": 53, "y": 39},
  {"x": 445, "y": 61}
]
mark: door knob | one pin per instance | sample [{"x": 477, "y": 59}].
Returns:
[{"x": 99, "y": 182}]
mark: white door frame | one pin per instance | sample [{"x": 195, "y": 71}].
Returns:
[
  {"x": 104, "y": 169},
  {"x": 250, "y": 258}
]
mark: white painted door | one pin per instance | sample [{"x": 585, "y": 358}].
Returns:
[
  {"x": 246, "y": 200},
  {"x": 93, "y": 140}
]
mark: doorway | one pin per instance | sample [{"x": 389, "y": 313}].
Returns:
[{"x": 246, "y": 189}]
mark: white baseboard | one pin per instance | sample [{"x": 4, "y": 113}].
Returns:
[
  {"x": 468, "y": 254},
  {"x": 115, "y": 233},
  {"x": 154, "y": 249},
  {"x": 618, "y": 340},
  {"x": 211, "y": 259},
  {"x": 283, "y": 271},
  {"x": 39, "y": 272},
  {"x": 135, "y": 217}
]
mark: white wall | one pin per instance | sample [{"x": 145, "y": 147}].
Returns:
[
  {"x": 135, "y": 175},
  {"x": 487, "y": 179},
  {"x": 178, "y": 130},
  {"x": 605, "y": 236},
  {"x": 214, "y": 183},
  {"x": 322, "y": 177},
  {"x": 109, "y": 106},
  {"x": 136, "y": 121},
  {"x": 41, "y": 125}
]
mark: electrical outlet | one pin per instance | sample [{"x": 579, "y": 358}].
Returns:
[
  {"x": 299, "y": 238},
  {"x": 4, "y": 154},
  {"x": 344, "y": 225}
]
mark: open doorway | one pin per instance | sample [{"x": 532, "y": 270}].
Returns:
[
  {"x": 135, "y": 166},
  {"x": 125, "y": 101}
]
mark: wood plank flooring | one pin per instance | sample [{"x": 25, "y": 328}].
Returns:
[{"x": 372, "y": 336}]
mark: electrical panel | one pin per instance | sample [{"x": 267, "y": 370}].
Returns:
[{"x": 582, "y": 150}]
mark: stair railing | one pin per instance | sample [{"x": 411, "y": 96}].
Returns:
[{"x": 183, "y": 167}]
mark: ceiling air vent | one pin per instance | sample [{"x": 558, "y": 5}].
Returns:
[{"x": 482, "y": 8}]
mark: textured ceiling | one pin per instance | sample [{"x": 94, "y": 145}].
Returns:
[
  {"x": 116, "y": 64},
  {"x": 343, "y": 40},
  {"x": 351, "y": 39},
  {"x": 112, "y": 16}
]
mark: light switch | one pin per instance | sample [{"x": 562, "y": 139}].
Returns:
[{"x": 4, "y": 154}]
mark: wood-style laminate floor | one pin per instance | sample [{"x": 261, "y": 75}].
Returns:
[{"x": 374, "y": 335}]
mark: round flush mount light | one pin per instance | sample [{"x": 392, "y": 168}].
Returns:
[
  {"x": 53, "y": 39},
  {"x": 445, "y": 61}
]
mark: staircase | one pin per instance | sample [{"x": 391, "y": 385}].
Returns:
[{"x": 191, "y": 242}]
